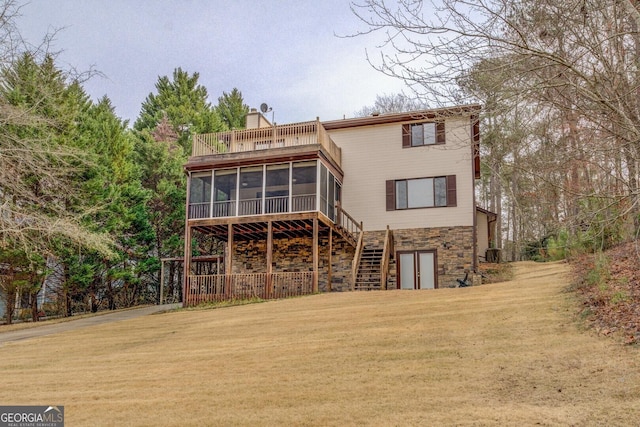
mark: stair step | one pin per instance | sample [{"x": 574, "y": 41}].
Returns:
[{"x": 369, "y": 272}]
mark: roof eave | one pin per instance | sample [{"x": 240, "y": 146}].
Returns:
[{"x": 402, "y": 117}]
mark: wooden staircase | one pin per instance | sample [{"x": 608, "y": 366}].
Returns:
[
  {"x": 371, "y": 263},
  {"x": 369, "y": 272}
]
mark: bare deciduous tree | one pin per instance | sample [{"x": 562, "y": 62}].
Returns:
[
  {"x": 559, "y": 81},
  {"x": 391, "y": 103}
]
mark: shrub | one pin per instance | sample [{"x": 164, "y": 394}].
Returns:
[
  {"x": 600, "y": 274},
  {"x": 557, "y": 246}
]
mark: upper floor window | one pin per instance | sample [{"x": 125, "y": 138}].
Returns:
[
  {"x": 419, "y": 134},
  {"x": 421, "y": 193}
]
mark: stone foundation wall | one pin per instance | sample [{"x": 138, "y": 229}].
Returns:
[
  {"x": 250, "y": 257},
  {"x": 341, "y": 263},
  {"x": 453, "y": 246},
  {"x": 295, "y": 255}
]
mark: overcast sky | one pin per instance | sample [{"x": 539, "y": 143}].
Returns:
[{"x": 284, "y": 53}]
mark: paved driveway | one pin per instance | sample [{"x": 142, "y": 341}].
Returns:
[{"x": 54, "y": 328}]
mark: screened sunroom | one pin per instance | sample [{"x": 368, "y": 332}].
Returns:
[{"x": 278, "y": 188}]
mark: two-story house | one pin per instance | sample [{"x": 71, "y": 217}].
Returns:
[{"x": 379, "y": 202}]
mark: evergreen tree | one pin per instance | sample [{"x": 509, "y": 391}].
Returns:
[
  {"x": 115, "y": 190},
  {"x": 232, "y": 109},
  {"x": 40, "y": 195},
  {"x": 185, "y": 104},
  {"x": 167, "y": 119},
  {"x": 161, "y": 161}
]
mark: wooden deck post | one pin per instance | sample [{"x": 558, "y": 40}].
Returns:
[
  {"x": 161, "y": 281},
  {"x": 273, "y": 137},
  {"x": 228, "y": 261},
  {"x": 186, "y": 266},
  {"x": 315, "y": 255},
  {"x": 268, "y": 286},
  {"x": 330, "y": 267}
]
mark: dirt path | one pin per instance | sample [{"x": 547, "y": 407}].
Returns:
[{"x": 70, "y": 325}]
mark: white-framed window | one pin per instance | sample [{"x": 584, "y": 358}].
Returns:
[
  {"x": 421, "y": 134},
  {"x": 417, "y": 193}
]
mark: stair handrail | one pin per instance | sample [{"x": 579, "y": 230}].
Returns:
[
  {"x": 346, "y": 222},
  {"x": 386, "y": 256},
  {"x": 356, "y": 258}
]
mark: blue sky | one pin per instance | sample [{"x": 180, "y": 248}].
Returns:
[{"x": 284, "y": 53}]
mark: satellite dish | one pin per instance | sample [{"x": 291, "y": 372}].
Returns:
[{"x": 264, "y": 107}]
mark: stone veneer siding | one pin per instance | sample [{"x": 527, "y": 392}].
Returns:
[
  {"x": 292, "y": 255},
  {"x": 296, "y": 254},
  {"x": 453, "y": 246}
]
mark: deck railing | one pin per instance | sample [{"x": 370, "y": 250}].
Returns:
[
  {"x": 292, "y": 135},
  {"x": 356, "y": 260},
  {"x": 347, "y": 223},
  {"x": 221, "y": 287},
  {"x": 272, "y": 205},
  {"x": 387, "y": 253}
]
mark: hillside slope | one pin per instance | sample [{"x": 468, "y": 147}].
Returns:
[
  {"x": 609, "y": 285},
  {"x": 502, "y": 354}
]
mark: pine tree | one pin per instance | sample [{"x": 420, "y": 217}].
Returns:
[
  {"x": 184, "y": 103},
  {"x": 232, "y": 109}
]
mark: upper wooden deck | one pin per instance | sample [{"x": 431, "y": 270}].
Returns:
[{"x": 267, "y": 138}]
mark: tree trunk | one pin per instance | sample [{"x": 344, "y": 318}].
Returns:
[
  {"x": 33, "y": 296},
  {"x": 10, "y": 304}
]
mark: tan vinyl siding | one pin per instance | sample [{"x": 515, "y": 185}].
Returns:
[
  {"x": 256, "y": 120},
  {"x": 374, "y": 154},
  {"x": 482, "y": 242}
]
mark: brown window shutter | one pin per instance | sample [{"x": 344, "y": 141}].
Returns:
[
  {"x": 476, "y": 129},
  {"x": 391, "y": 195},
  {"x": 476, "y": 146},
  {"x": 451, "y": 191},
  {"x": 406, "y": 136},
  {"x": 476, "y": 161},
  {"x": 440, "y": 138}
]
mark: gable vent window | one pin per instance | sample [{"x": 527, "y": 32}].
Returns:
[{"x": 420, "y": 134}]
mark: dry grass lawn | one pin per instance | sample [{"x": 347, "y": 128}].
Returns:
[{"x": 502, "y": 354}]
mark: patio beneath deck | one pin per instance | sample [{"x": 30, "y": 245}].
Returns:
[{"x": 252, "y": 267}]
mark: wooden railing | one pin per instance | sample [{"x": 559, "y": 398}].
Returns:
[
  {"x": 221, "y": 287},
  {"x": 356, "y": 260},
  {"x": 199, "y": 210},
  {"x": 272, "y": 205},
  {"x": 347, "y": 223},
  {"x": 292, "y": 135},
  {"x": 387, "y": 251}
]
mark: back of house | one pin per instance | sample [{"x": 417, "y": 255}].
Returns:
[{"x": 379, "y": 202}]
